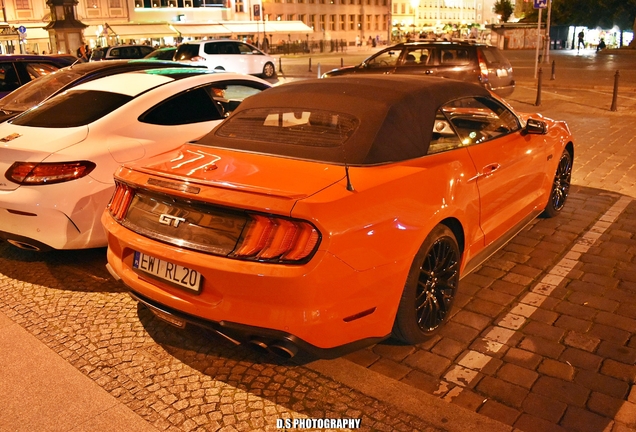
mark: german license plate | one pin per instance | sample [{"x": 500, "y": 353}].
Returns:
[{"x": 174, "y": 274}]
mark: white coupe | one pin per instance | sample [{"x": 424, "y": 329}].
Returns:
[{"x": 58, "y": 158}]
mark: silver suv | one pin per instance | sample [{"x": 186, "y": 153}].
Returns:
[{"x": 465, "y": 61}]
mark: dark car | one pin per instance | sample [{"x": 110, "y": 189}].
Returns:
[
  {"x": 17, "y": 70},
  {"x": 165, "y": 53},
  {"x": 465, "y": 61},
  {"x": 35, "y": 92},
  {"x": 121, "y": 52}
]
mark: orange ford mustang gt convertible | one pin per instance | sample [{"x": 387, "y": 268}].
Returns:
[{"x": 326, "y": 215}]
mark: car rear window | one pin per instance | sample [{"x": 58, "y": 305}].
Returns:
[
  {"x": 186, "y": 52},
  {"x": 73, "y": 108},
  {"x": 307, "y": 127},
  {"x": 491, "y": 56},
  {"x": 35, "y": 92}
]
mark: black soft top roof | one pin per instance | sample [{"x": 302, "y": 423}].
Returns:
[{"x": 396, "y": 115}]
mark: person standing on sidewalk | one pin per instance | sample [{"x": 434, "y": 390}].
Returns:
[{"x": 581, "y": 40}]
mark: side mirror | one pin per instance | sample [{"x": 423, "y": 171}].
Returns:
[{"x": 536, "y": 127}]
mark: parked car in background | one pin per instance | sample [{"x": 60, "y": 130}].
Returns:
[
  {"x": 36, "y": 91},
  {"x": 326, "y": 215},
  {"x": 228, "y": 55},
  {"x": 465, "y": 61},
  {"x": 18, "y": 69},
  {"x": 120, "y": 52},
  {"x": 58, "y": 159},
  {"x": 165, "y": 53}
]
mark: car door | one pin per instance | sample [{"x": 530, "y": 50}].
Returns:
[
  {"x": 251, "y": 63},
  {"x": 418, "y": 60},
  {"x": 383, "y": 62},
  {"x": 224, "y": 55},
  {"x": 457, "y": 62},
  {"x": 510, "y": 165}
]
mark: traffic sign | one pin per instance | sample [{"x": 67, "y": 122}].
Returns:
[
  {"x": 540, "y": 4},
  {"x": 22, "y": 29}
]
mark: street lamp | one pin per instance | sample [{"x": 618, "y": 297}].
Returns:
[{"x": 415, "y": 4}]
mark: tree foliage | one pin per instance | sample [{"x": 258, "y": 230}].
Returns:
[
  {"x": 593, "y": 13},
  {"x": 503, "y": 8}
]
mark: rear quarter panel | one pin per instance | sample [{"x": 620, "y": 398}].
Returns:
[{"x": 394, "y": 207}]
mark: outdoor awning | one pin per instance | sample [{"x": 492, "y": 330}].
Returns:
[
  {"x": 246, "y": 27},
  {"x": 254, "y": 27},
  {"x": 288, "y": 27},
  {"x": 201, "y": 30},
  {"x": 132, "y": 31},
  {"x": 93, "y": 31},
  {"x": 215, "y": 29}
]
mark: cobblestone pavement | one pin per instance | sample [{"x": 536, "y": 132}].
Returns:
[
  {"x": 176, "y": 380},
  {"x": 543, "y": 335}
]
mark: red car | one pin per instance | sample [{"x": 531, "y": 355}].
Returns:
[{"x": 325, "y": 215}]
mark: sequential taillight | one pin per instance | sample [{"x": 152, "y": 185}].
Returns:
[
  {"x": 42, "y": 173},
  {"x": 120, "y": 201},
  {"x": 270, "y": 238}
]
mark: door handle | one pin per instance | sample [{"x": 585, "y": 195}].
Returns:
[
  {"x": 490, "y": 169},
  {"x": 486, "y": 171}
]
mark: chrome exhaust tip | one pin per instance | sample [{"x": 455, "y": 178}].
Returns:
[
  {"x": 23, "y": 245},
  {"x": 283, "y": 349},
  {"x": 258, "y": 345}
]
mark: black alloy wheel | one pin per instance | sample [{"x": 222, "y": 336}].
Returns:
[
  {"x": 430, "y": 288},
  {"x": 437, "y": 284},
  {"x": 560, "y": 185}
]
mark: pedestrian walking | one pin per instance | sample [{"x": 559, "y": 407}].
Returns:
[{"x": 581, "y": 40}]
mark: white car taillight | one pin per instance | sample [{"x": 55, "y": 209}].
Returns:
[{"x": 33, "y": 173}]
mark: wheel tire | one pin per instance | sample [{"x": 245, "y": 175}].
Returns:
[
  {"x": 268, "y": 70},
  {"x": 560, "y": 186},
  {"x": 430, "y": 288},
  {"x": 219, "y": 69}
]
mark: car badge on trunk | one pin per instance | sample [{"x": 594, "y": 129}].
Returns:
[
  {"x": 170, "y": 220},
  {"x": 10, "y": 137}
]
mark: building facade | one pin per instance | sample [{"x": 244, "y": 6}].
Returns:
[{"x": 167, "y": 22}]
